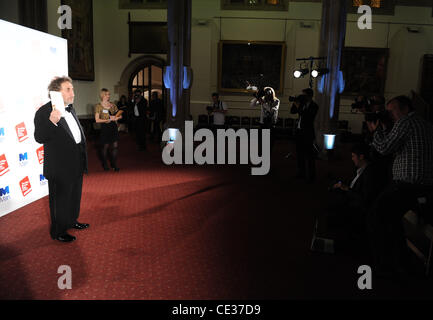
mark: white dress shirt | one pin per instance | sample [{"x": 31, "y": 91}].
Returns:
[
  {"x": 73, "y": 126},
  {"x": 358, "y": 174}
]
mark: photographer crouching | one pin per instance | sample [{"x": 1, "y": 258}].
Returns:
[
  {"x": 306, "y": 108},
  {"x": 411, "y": 142},
  {"x": 269, "y": 104}
]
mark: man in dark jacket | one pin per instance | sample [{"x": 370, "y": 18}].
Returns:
[
  {"x": 65, "y": 159},
  {"x": 140, "y": 113},
  {"x": 305, "y": 134},
  {"x": 349, "y": 203}
]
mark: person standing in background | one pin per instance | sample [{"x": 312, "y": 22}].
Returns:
[
  {"x": 139, "y": 113},
  {"x": 106, "y": 115}
]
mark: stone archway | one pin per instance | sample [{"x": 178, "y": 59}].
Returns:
[{"x": 122, "y": 86}]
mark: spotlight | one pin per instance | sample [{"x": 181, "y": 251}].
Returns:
[
  {"x": 317, "y": 72},
  {"x": 300, "y": 73}
]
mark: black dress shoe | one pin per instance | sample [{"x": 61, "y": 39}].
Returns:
[
  {"x": 65, "y": 238},
  {"x": 80, "y": 226}
]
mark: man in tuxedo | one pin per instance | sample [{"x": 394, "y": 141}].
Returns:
[
  {"x": 140, "y": 112},
  {"x": 305, "y": 134},
  {"x": 65, "y": 160},
  {"x": 348, "y": 204}
]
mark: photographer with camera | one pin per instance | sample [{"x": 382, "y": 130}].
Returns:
[
  {"x": 307, "y": 109},
  {"x": 269, "y": 105},
  {"x": 411, "y": 142},
  {"x": 218, "y": 109},
  {"x": 139, "y": 113}
]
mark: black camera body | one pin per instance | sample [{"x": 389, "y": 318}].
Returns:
[
  {"x": 301, "y": 99},
  {"x": 363, "y": 103},
  {"x": 259, "y": 94}
]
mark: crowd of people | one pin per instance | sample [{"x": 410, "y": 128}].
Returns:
[
  {"x": 137, "y": 116},
  {"x": 394, "y": 168},
  {"x": 394, "y": 162}
]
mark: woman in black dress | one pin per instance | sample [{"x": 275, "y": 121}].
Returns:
[{"x": 106, "y": 113}]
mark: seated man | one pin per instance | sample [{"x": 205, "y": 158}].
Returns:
[{"x": 348, "y": 204}]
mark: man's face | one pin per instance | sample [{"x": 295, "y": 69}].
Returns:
[
  {"x": 356, "y": 159},
  {"x": 67, "y": 91},
  {"x": 395, "y": 112},
  {"x": 215, "y": 99}
]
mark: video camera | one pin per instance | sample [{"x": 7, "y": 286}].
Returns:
[{"x": 301, "y": 99}]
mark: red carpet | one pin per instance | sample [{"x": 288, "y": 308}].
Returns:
[{"x": 185, "y": 232}]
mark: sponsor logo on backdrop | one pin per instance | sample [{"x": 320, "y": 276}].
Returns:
[
  {"x": 42, "y": 180},
  {"x": 4, "y": 167},
  {"x": 4, "y": 194},
  {"x": 40, "y": 153},
  {"x": 24, "y": 159},
  {"x": 25, "y": 185},
  {"x": 2, "y": 134},
  {"x": 21, "y": 132}
]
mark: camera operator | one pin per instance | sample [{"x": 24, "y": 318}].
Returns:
[
  {"x": 139, "y": 112},
  {"x": 218, "y": 109},
  {"x": 411, "y": 142},
  {"x": 306, "y": 108},
  {"x": 270, "y": 105},
  {"x": 374, "y": 110}
]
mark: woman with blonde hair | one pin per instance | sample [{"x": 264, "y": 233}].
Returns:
[
  {"x": 106, "y": 113},
  {"x": 270, "y": 105}
]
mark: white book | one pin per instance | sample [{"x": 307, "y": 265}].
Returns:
[{"x": 57, "y": 101}]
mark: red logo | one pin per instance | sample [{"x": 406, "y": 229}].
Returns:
[
  {"x": 21, "y": 132},
  {"x": 4, "y": 167},
  {"x": 40, "y": 153},
  {"x": 25, "y": 185}
]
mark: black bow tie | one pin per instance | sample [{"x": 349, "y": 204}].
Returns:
[{"x": 68, "y": 108}]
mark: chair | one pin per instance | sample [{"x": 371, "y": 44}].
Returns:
[
  {"x": 417, "y": 219},
  {"x": 245, "y": 122},
  {"x": 289, "y": 125},
  {"x": 255, "y": 122},
  {"x": 203, "y": 121},
  {"x": 235, "y": 122}
]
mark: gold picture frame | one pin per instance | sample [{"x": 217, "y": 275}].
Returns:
[{"x": 258, "y": 63}]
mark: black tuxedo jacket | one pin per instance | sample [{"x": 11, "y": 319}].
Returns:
[
  {"x": 368, "y": 186},
  {"x": 308, "y": 116},
  {"x": 63, "y": 158},
  {"x": 142, "y": 109}
]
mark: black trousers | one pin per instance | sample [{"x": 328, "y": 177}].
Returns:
[
  {"x": 384, "y": 222},
  {"x": 65, "y": 199},
  {"x": 304, "y": 155},
  {"x": 140, "y": 132}
]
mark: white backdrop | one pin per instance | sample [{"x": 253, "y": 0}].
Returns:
[{"x": 29, "y": 59}]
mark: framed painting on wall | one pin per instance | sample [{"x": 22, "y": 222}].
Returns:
[
  {"x": 364, "y": 70},
  {"x": 80, "y": 40},
  {"x": 259, "y": 63}
]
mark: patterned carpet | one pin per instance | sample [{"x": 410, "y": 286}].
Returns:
[{"x": 186, "y": 232}]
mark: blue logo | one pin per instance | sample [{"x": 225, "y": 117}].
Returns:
[
  {"x": 24, "y": 159},
  {"x": 4, "y": 194},
  {"x": 2, "y": 134},
  {"x": 42, "y": 180}
]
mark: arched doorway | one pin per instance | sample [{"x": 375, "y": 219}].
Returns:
[
  {"x": 153, "y": 76},
  {"x": 147, "y": 78}
]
